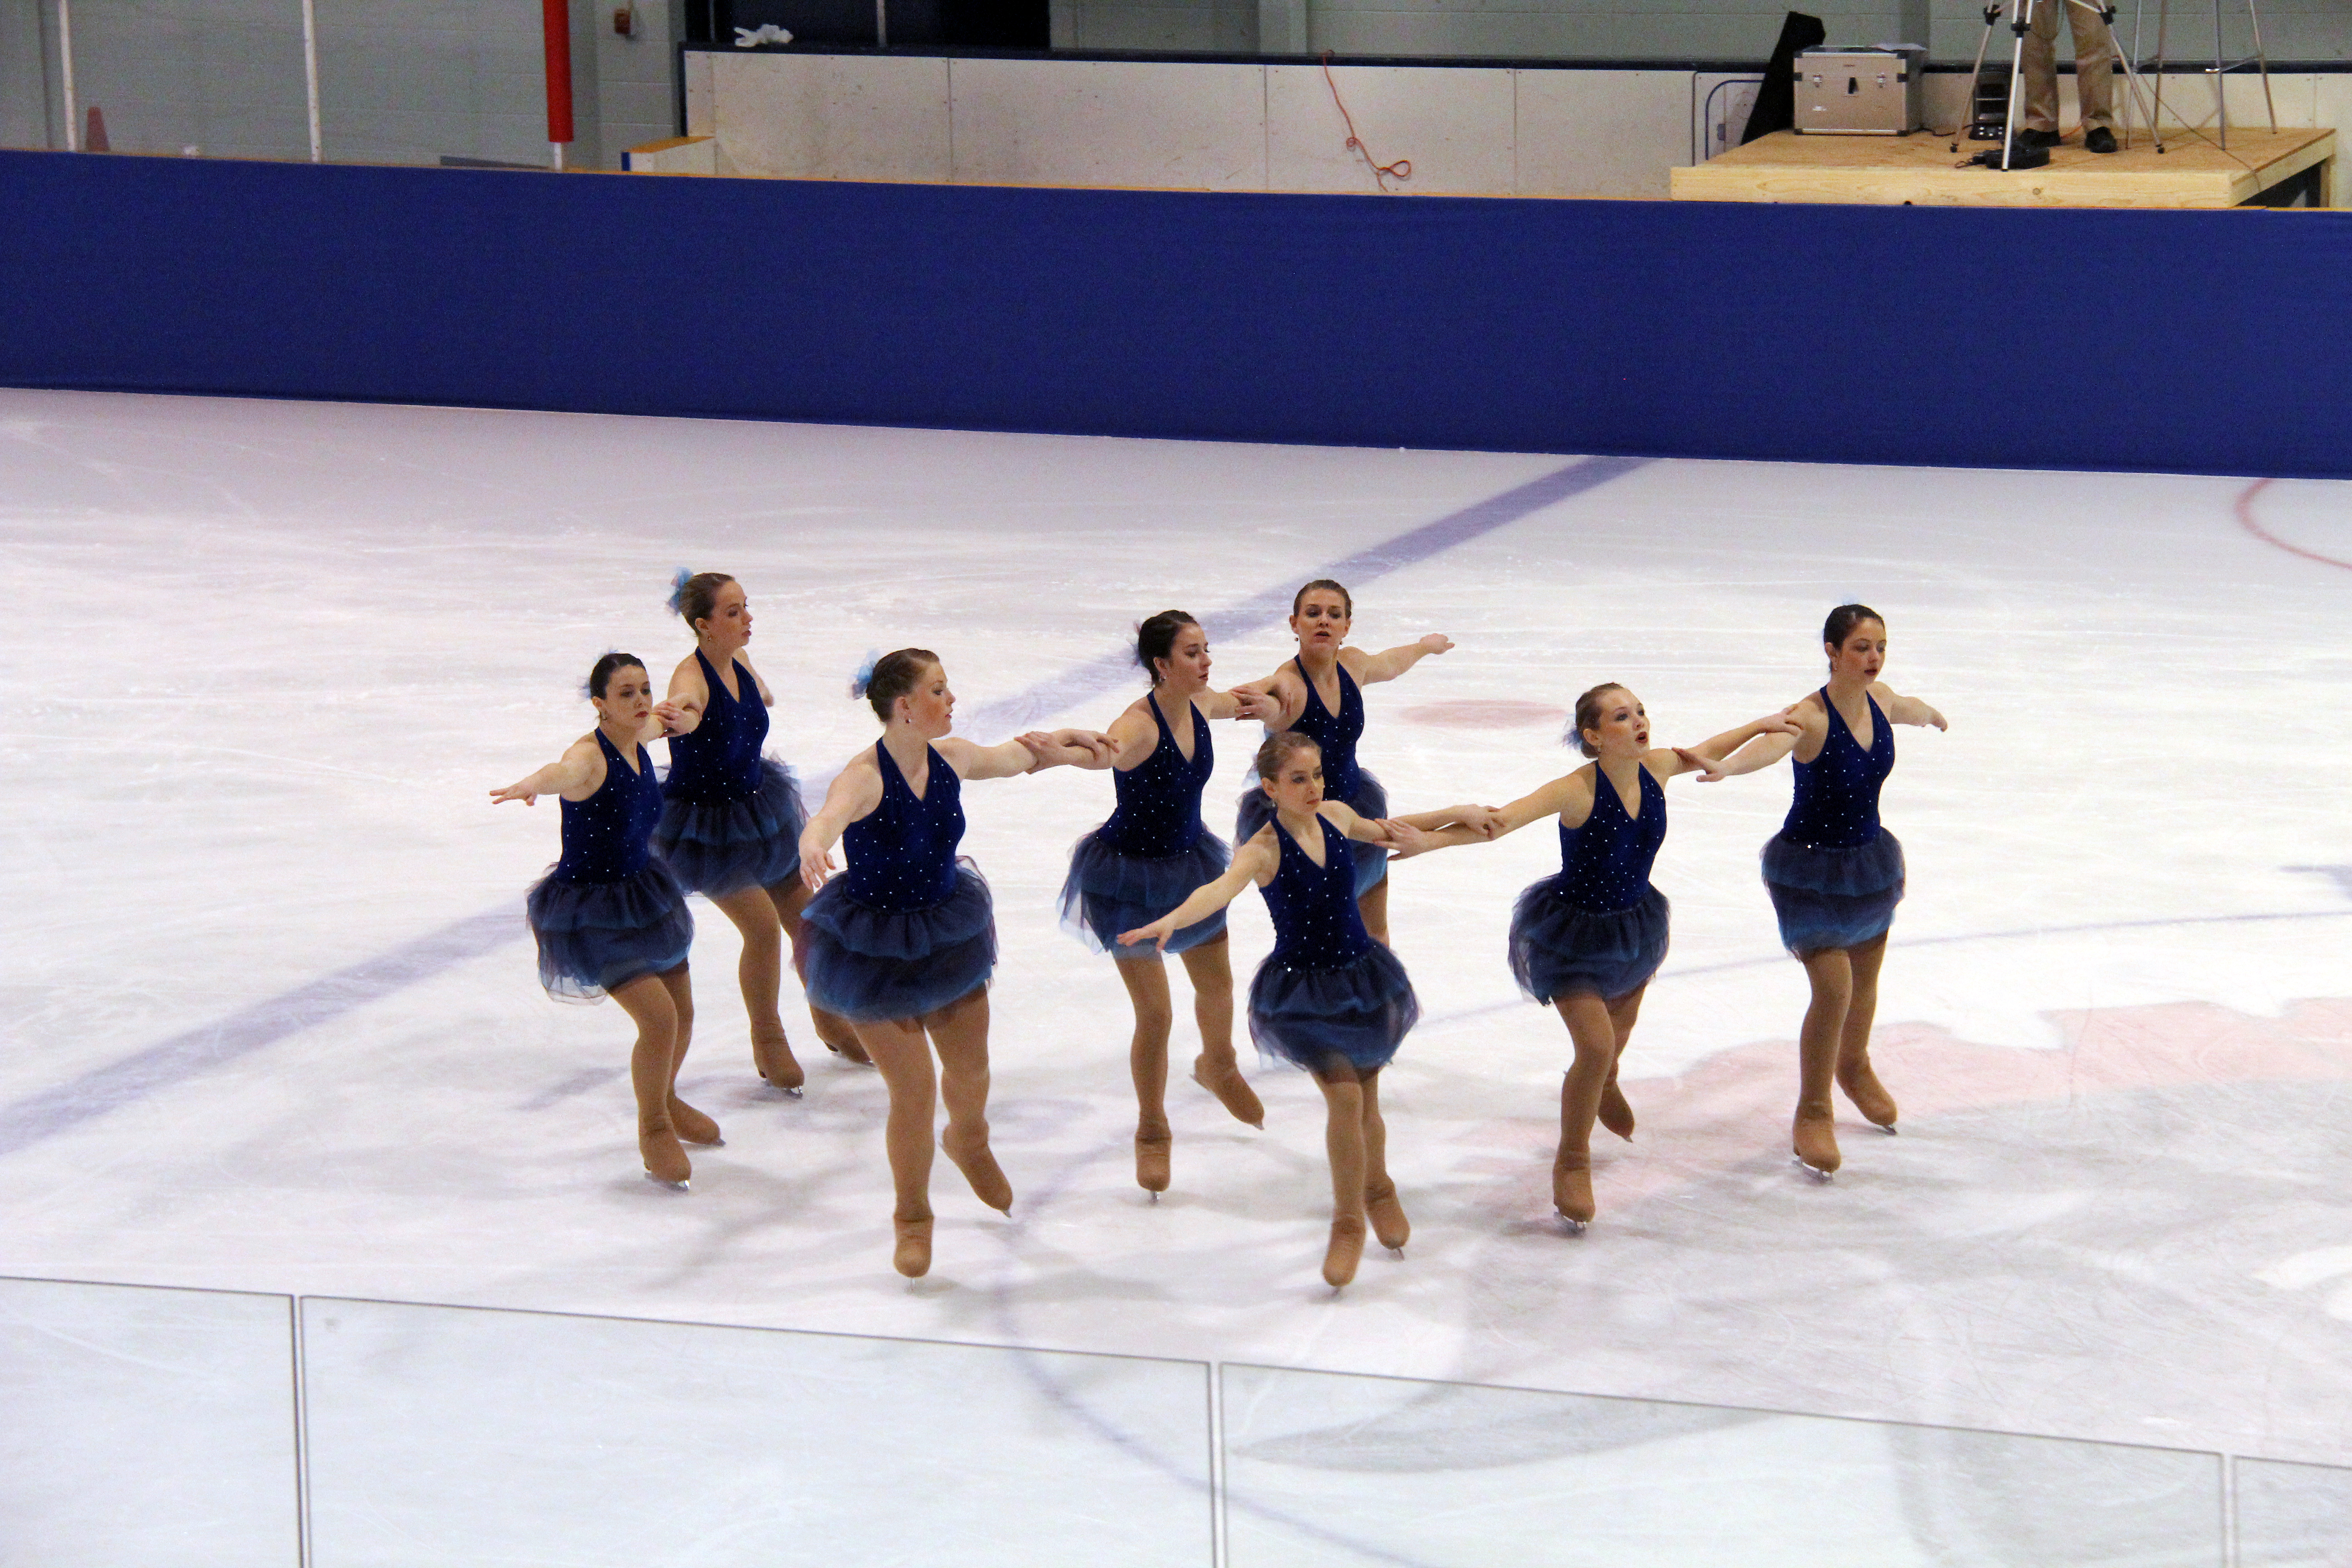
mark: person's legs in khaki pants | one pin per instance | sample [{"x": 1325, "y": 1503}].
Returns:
[{"x": 2094, "y": 66}]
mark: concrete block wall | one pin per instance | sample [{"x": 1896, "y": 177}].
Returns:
[
  {"x": 400, "y": 81},
  {"x": 2308, "y": 30}
]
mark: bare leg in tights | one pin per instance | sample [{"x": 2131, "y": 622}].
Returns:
[
  {"x": 789, "y": 898},
  {"x": 1146, "y": 977},
  {"x": 651, "y": 1004},
  {"x": 1356, "y": 1138},
  {"x": 903, "y": 1054},
  {"x": 1834, "y": 1047},
  {"x": 763, "y": 916},
  {"x": 1599, "y": 1031}
]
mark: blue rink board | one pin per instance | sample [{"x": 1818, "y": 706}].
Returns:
[{"x": 2195, "y": 341}]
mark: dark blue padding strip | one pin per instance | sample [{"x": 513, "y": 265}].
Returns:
[{"x": 2208, "y": 342}]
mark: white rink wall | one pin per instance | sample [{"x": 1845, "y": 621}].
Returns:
[{"x": 1240, "y": 125}]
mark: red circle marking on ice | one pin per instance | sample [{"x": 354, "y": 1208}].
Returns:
[
  {"x": 1484, "y": 715},
  {"x": 2246, "y": 520}
]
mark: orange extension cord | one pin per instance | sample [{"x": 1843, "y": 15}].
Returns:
[{"x": 1400, "y": 171}]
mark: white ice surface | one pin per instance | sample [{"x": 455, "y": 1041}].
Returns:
[{"x": 265, "y": 660}]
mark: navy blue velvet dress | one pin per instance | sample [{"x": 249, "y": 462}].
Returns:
[
  {"x": 1328, "y": 993},
  {"x": 1344, "y": 779},
  {"x": 1834, "y": 874},
  {"x": 1154, "y": 850},
  {"x": 1599, "y": 927},
  {"x": 730, "y": 818},
  {"x": 907, "y": 928},
  {"x": 609, "y": 911}
]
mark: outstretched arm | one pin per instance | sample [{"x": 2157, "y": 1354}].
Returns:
[
  {"x": 1706, "y": 759},
  {"x": 1253, "y": 862},
  {"x": 1388, "y": 833},
  {"x": 1390, "y": 663},
  {"x": 1132, "y": 738},
  {"x": 1228, "y": 704},
  {"x": 681, "y": 709},
  {"x": 1902, "y": 709},
  {"x": 1757, "y": 754},
  {"x": 1275, "y": 701},
  {"x": 1024, "y": 753},
  {"x": 569, "y": 773},
  {"x": 1457, "y": 825},
  {"x": 856, "y": 791}
]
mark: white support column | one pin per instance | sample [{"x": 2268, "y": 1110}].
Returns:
[
  {"x": 65, "y": 54},
  {"x": 311, "y": 75}
]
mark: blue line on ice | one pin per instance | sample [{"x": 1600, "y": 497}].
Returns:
[{"x": 62, "y": 1107}]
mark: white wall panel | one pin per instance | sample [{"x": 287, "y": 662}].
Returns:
[
  {"x": 1455, "y": 125},
  {"x": 833, "y": 116},
  {"x": 1601, "y": 133},
  {"x": 1109, "y": 122}
]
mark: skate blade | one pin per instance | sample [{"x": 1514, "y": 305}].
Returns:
[
  {"x": 1575, "y": 1226},
  {"x": 673, "y": 1186},
  {"x": 1888, "y": 1130},
  {"x": 1813, "y": 1171}
]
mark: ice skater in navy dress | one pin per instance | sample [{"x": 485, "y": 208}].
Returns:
[
  {"x": 1319, "y": 694},
  {"x": 610, "y": 918},
  {"x": 903, "y": 941},
  {"x": 1144, "y": 861},
  {"x": 1328, "y": 998},
  {"x": 731, "y": 818},
  {"x": 1834, "y": 874},
  {"x": 1588, "y": 940}
]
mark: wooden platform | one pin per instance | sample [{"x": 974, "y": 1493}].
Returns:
[{"x": 1918, "y": 169}]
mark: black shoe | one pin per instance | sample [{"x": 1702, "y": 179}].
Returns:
[
  {"x": 2037, "y": 137},
  {"x": 2100, "y": 140}
]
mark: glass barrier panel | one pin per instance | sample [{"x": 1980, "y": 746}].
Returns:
[
  {"x": 2292, "y": 1516},
  {"x": 146, "y": 1425},
  {"x": 419, "y": 81},
  {"x": 443, "y": 1435},
  {"x": 219, "y": 78},
  {"x": 1322, "y": 1468}
]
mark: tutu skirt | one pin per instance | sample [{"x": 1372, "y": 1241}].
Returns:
[
  {"x": 1109, "y": 890},
  {"x": 1559, "y": 949},
  {"x": 1371, "y": 800},
  {"x": 728, "y": 845},
  {"x": 1359, "y": 1012},
  {"x": 1829, "y": 897},
  {"x": 596, "y": 936},
  {"x": 869, "y": 964}
]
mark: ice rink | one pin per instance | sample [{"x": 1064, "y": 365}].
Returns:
[{"x": 272, "y": 1023}]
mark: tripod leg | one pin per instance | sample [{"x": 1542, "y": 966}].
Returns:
[
  {"x": 2221, "y": 84},
  {"x": 2022, "y": 15},
  {"x": 1976, "y": 77},
  {"x": 2262, "y": 61},
  {"x": 2106, "y": 15}
]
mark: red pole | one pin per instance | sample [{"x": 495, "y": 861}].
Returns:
[{"x": 558, "y": 22}]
